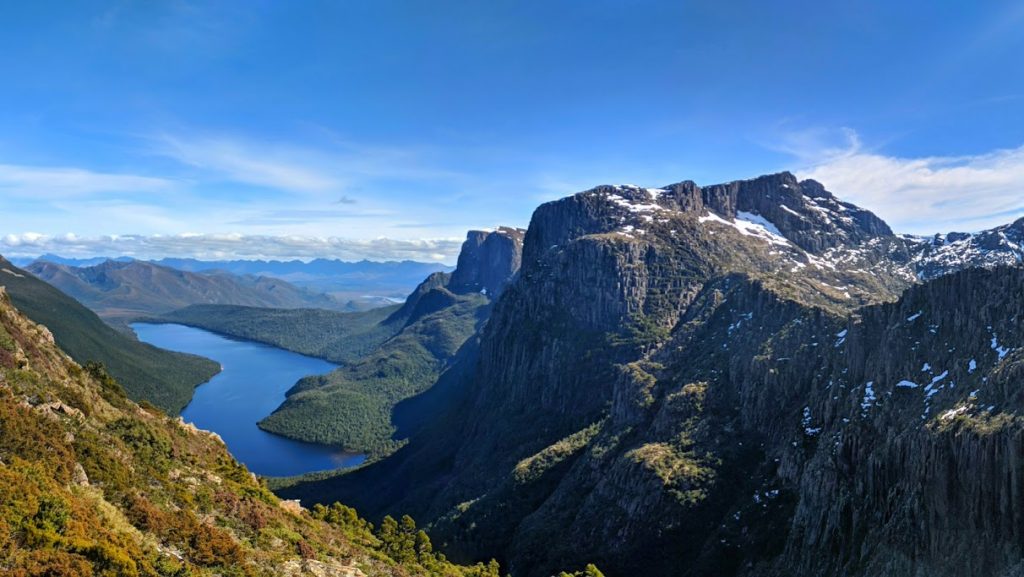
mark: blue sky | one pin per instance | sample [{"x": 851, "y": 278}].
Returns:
[{"x": 386, "y": 129}]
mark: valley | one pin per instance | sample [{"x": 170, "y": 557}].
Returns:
[{"x": 251, "y": 384}]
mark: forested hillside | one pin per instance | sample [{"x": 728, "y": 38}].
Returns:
[{"x": 161, "y": 377}]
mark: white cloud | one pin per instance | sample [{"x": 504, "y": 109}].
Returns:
[
  {"x": 815, "y": 145},
  {"x": 230, "y": 246},
  {"x": 930, "y": 194},
  {"x": 62, "y": 182},
  {"x": 921, "y": 195},
  {"x": 335, "y": 166},
  {"x": 234, "y": 160}
]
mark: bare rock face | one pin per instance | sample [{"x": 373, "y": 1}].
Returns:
[
  {"x": 488, "y": 261},
  {"x": 804, "y": 212}
]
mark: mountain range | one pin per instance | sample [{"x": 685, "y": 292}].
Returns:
[
  {"x": 749, "y": 378},
  {"x": 123, "y": 291},
  {"x": 753, "y": 378},
  {"x": 361, "y": 284}
]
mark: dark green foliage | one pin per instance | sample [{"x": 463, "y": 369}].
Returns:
[
  {"x": 6, "y": 341},
  {"x": 150, "y": 444},
  {"x": 589, "y": 571},
  {"x": 352, "y": 405},
  {"x": 402, "y": 542},
  {"x": 161, "y": 377},
  {"x": 334, "y": 336},
  {"x": 112, "y": 391}
]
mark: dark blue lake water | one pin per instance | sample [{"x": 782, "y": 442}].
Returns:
[{"x": 251, "y": 384}]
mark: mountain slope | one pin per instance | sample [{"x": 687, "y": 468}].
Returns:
[
  {"x": 96, "y": 485},
  {"x": 352, "y": 406},
  {"x": 360, "y": 285},
  {"x": 161, "y": 377},
  {"x": 659, "y": 390},
  {"x": 125, "y": 291}
]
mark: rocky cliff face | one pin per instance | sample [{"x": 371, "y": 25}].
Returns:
[
  {"x": 488, "y": 261},
  {"x": 916, "y": 438},
  {"x": 725, "y": 380}
]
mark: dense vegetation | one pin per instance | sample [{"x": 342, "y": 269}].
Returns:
[
  {"x": 161, "y": 377},
  {"x": 352, "y": 406},
  {"x": 120, "y": 292},
  {"x": 94, "y": 484},
  {"x": 334, "y": 336}
]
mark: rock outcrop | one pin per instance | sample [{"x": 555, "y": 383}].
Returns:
[{"x": 488, "y": 261}]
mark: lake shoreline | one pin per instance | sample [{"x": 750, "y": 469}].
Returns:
[{"x": 253, "y": 381}]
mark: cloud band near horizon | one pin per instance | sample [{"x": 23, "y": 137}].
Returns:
[{"x": 231, "y": 247}]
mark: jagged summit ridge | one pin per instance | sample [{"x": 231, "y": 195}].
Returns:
[
  {"x": 944, "y": 253},
  {"x": 801, "y": 218},
  {"x": 803, "y": 212}
]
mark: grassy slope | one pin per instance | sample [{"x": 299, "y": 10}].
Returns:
[
  {"x": 161, "y": 377},
  {"x": 93, "y": 484},
  {"x": 334, "y": 336},
  {"x": 352, "y": 405}
]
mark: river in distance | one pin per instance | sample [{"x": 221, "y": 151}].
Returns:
[{"x": 252, "y": 383}]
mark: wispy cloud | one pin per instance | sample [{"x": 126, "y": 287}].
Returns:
[
  {"x": 331, "y": 167},
  {"x": 233, "y": 246},
  {"x": 40, "y": 182},
  {"x": 299, "y": 216},
  {"x": 274, "y": 166},
  {"x": 925, "y": 195},
  {"x": 817, "y": 144}
]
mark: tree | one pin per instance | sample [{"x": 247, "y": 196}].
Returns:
[{"x": 424, "y": 549}]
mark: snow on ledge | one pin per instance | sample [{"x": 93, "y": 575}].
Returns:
[{"x": 750, "y": 224}]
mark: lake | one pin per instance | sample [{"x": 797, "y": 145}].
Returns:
[{"x": 252, "y": 383}]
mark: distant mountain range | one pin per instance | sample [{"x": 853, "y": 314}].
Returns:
[
  {"x": 121, "y": 291},
  {"x": 365, "y": 283}
]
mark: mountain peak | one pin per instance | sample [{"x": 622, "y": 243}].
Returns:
[{"x": 488, "y": 260}]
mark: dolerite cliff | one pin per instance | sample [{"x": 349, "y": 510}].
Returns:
[
  {"x": 488, "y": 260},
  {"x": 726, "y": 380}
]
